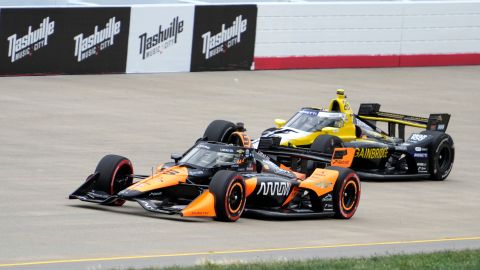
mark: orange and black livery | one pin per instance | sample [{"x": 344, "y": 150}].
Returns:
[{"x": 223, "y": 177}]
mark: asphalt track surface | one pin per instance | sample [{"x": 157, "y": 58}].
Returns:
[{"x": 55, "y": 129}]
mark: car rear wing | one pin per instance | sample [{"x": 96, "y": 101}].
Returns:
[{"x": 371, "y": 112}]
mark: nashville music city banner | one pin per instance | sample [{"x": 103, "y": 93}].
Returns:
[
  {"x": 63, "y": 40},
  {"x": 106, "y": 39},
  {"x": 224, "y": 37},
  {"x": 160, "y": 38}
]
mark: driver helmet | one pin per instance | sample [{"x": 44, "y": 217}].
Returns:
[
  {"x": 207, "y": 157},
  {"x": 338, "y": 123}
]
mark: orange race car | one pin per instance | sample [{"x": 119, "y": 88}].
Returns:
[{"x": 226, "y": 180}]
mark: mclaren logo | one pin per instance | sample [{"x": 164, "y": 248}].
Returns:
[{"x": 274, "y": 188}]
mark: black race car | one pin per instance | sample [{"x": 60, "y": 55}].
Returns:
[{"x": 379, "y": 155}]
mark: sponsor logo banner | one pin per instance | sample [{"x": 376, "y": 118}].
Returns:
[
  {"x": 33, "y": 40},
  {"x": 160, "y": 39},
  {"x": 28, "y": 40},
  {"x": 99, "y": 40},
  {"x": 224, "y": 37},
  {"x": 63, "y": 40}
]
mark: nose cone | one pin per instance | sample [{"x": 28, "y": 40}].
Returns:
[
  {"x": 290, "y": 136},
  {"x": 129, "y": 194}
]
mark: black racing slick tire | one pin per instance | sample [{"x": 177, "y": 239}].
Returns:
[
  {"x": 228, "y": 189},
  {"x": 114, "y": 175},
  {"x": 219, "y": 131},
  {"x": 441, "y": 154},
  {"x": 326, "y": 144},
  {"x": 346, "y": 193}
]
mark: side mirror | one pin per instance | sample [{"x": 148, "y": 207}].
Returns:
[
  {"x": 279, "y": 122},
  {"x": 176, "y": 157}
]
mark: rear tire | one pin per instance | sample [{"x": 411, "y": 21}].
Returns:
[
  {"x": 326, "y": 144},
  {"x": 228, "y": 189},
  {"x": 114, "y": 175},
  {"x": 219, "y": 131},
  {"x": 441, "y": 154},
  {"x": 346, "y": 193}
]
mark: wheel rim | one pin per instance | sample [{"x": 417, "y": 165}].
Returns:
[
  {"x": 444, "y": 158},
  {"x": 235, "y": 198},
  {"x": 349, "y": 195}
]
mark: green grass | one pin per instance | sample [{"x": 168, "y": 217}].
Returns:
[{"x": 448, "y": 260}]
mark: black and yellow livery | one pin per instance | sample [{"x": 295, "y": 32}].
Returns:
[
  {"x": 378, "y": 154},
  {"x": 224, "y": 180}
]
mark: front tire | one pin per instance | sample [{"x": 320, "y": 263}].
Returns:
[
  {"x": 326, "y": 144},
  {"x": 346, "y": 193},
  {"x": 441, "y": 154},
  {"x": 228, "y": 189},
  {"x": 114, "y": 175}
]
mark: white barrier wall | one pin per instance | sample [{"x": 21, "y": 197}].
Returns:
[
  {"x": 403, "y": 33},
  {"x": 441, "y": 28},
  {"x": 328, "y": 29}
]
